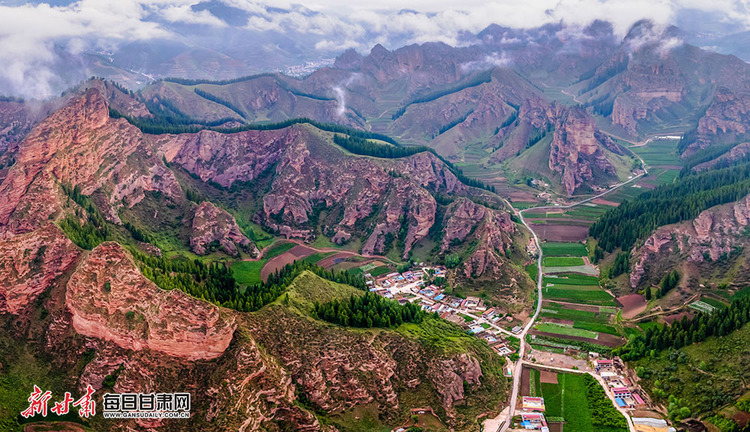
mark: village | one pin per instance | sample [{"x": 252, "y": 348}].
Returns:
[
  {"x": 423, "y": 285},
  {"x": 470, "y": 313}
]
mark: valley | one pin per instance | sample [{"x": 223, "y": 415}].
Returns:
[{"x": 413, "y": 239}]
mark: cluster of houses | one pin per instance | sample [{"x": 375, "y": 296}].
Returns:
[
  {"x": 532, "y": 414},
  {"x": 413, "y": 286},
  {"x": 624, "y": 392}
]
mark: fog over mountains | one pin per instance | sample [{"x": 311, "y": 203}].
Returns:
[{"x": 49, "y": 46}]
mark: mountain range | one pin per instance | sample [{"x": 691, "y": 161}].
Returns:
[{"x": 124, "y": 214}]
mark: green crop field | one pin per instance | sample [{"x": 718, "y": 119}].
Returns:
[
  {"x": 581, "y": 402},
  {"x": 599, "y": 297},
  {"x": 659, "y": 152},
  {"x": 574, "y": 287},
  {"x": 563, "y": 261},
  {"x": 571, "y": 279},
  {"x": 378, "y": 271},
  {"x": 564, "y": 330},
  {"x": 564, "y": 249},
  {"x": 573, "y": 315},
  {"x": 596, "y": 327},
  {"x": 277, "y": 249}
]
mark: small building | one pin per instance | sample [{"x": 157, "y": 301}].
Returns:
[
  {"x": 621, "y": 392},
  {"x": 603, "y": 364},
  {"x": 533, "y": 404},
  {"x": 504, "y": 350},
  {"x": 608, "y": 375},
  {"x": 530, "y": 421},
  {"x": 517, "y": 330},
  {"x": 639, "y": 402}
]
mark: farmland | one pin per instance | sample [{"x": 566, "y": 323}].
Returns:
[
  {"x": 586, "y": 296},
  {"x": 561, "y": 249},
  {"x": 552, "y": 261},
  {"x": 577, "y": 400}
]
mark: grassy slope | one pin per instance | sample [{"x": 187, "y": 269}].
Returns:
[
  {"x": 433, "y": 340},
  {"x": 707, "y": 376}
]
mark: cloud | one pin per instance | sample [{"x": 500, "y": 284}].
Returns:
[{"x": 36, "y": 38}]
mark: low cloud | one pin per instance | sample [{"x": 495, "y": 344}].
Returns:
[{"x": 36, "y": 38}]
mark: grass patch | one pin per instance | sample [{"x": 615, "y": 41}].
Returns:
[
  {"x": 247, "y": 272},
  {"x": 278, "y": 249}
]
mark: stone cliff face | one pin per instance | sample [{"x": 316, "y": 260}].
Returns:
[
  {"x": 79, "y": 145},
  {"x": 66, "y": 303},
  {"x": 717, "y": 233},
  {"x": 491, "y": 228},
  {"x": 109, "y": 299},
  {"x": 577, "y": 149},
  {"x": 307, "y": 175},
  {"x": 727, "y": 119},
  {"x": 214, "y": 225},
  {"x": 30, "y": 265}
]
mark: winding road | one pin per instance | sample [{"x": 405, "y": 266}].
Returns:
[{"x": 540, "y": 277}]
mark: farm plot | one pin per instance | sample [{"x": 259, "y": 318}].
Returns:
[
  {"x": 586, "y": 269},
  {"x": 557, "y": 261},
  {"x": 561, "y": 329},
  {"x": 594, "y": 321},
  {"x": 580, "y": 402},
  {"x": 562, "y": 233},
  {"x": 595, "y": 296},
  {"x": 571, "y": 279},
  {"x": 562, "y": 249}
]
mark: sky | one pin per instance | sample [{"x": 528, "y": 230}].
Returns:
[{"x": 36, "y": 38}]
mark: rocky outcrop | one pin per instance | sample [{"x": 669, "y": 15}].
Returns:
[
  {"x": 110, "y": 299},
  {"x": 79, "y": 145},
  {"x": 307, "y": 175},
  {"x": 451, "y": 377},
  {"x": 30, "y": 264},
  {"x": 717, "y": 233},
  {"x": 212, "y": 225},
  {"x": 725, "y": 121},
  {"x": 577, "y": 149}
]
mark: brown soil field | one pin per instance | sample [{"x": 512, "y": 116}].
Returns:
[
  {"x": 632, "y": 305},
  {"x": 573, "y": 306},
  {"x": 276, "y": 263},
  {"x": 548, "y": 377},
  {"x": 741, "y": 418},
  {"x": 604, "y": 339},
  {"x": 559, "y": 321},
  {"x": 562, "y": 233},
  {"x": 555, "y": 427},
  {"x": 602, "y": 201}
]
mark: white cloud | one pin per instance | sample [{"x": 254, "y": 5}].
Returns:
[{"x": 33, "y": 35}]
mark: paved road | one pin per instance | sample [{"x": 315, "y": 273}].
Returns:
[
  {"x": 522, "y": 336},
  {"x": 540, "y": 276}
]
